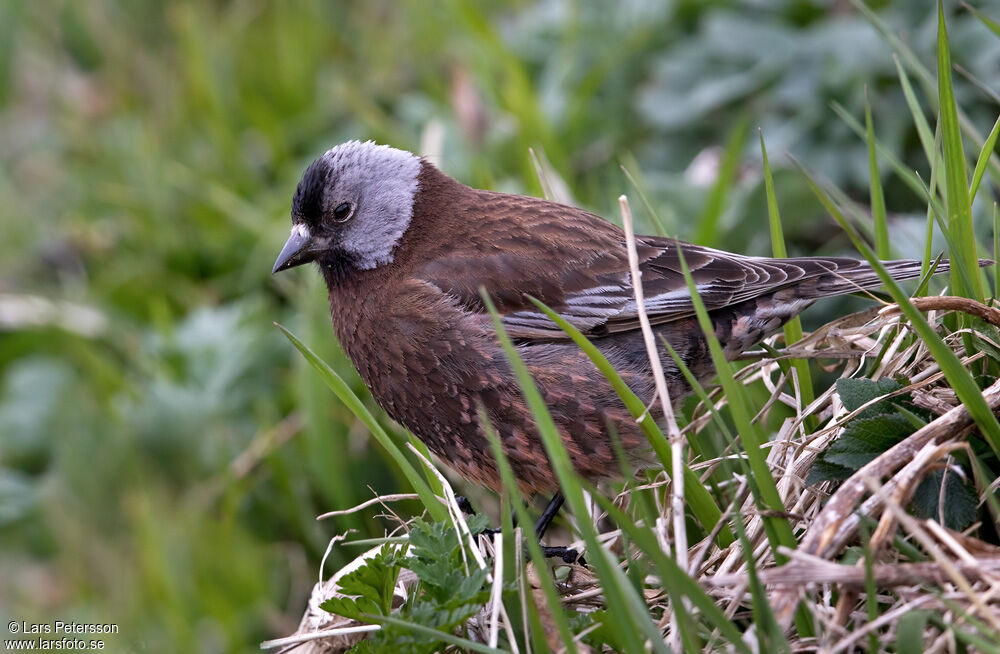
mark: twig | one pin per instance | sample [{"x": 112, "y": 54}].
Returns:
[
  {"x": 364, "y": 505},
  {"x": 950, "y": 303}
]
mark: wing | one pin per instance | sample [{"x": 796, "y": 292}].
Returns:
[{"x": 576, "y": 263}]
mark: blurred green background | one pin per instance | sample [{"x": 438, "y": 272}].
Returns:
[{"x": 163, "y": 453}]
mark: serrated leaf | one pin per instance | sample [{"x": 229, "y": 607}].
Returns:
[
  {"x": 960, "y": 500},
  {"x": 875, "y": 430},
  {"x": 852, "y": 461},
  {"x": 370, "y": 587},
  {"x": 856, "y": 392},
  {"x": 823, "y": 470},
  {"x": 349, "y": 607},
  {"x": 871, "y": 435}
]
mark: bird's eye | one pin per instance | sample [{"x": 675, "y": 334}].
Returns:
[{"x": 343, "y": 212}]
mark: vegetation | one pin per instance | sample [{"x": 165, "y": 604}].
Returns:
[{"x": 164, "y": 451}]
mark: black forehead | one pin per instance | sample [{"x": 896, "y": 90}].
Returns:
[{"x": 308, "y": 199}]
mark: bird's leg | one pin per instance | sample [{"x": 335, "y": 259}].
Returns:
[
  {"x": 567, "y": 554},
  {"x": 550, "y": 512}
]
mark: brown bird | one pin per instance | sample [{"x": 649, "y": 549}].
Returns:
[{"x": 404, "y": 250}]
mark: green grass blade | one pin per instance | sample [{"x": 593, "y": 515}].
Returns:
[
  {"x": 676, "y": 581},
  {"x": 750, "y": 436},
  {"x": 769, "y": 635},
  {"x": 871, "y": 590},
  {"x": 984, "y": 157},
  {"x": 452, "y": 639},
  {"x": 957, "y": 185},
  {"x": 661, "y": 227},
  {"x": 615, "y": 592},
  {"x": 958, "y": 376},
  {"x": 432, "y": 480},
  {"x": 701, "y": 394},
  {"x": 917, "y": 113},
  {"x": 877, "y": 197},
  {"x": 991, "y": 24},
  {"x": 978, "y": 643},
  {"x": 357, "y": 407},
  {"x": 534, "y": 547},
  {"x": 793, "y": 328},
  {"x": 931, "y": 213},
  {"x": 925, "y": 77},
  {"x": 910, "y": 632},
  {"x": 698, "y": 498},
  {"x": 910, "y": 178},
  {"x": 708, "y": 222},
  {"x": 914, "y": 182}
]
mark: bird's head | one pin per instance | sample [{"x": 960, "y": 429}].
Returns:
[{"x": 351, "y": 207}]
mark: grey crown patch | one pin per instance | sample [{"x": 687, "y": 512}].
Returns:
[{"x": 383, "y": 181}]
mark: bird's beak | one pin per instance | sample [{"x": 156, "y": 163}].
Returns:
[{"x": 297, "y": 250}]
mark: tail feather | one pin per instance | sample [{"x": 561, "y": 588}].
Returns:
[{"x": 852, "y": 275}]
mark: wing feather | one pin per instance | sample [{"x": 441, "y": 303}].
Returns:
[{"x": 576, "y": 263}]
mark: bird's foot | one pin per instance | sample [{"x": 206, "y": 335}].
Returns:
[{"x": 567, "y": 554}]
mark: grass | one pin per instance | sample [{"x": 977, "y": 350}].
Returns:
[{"x": 164, "y": 451}]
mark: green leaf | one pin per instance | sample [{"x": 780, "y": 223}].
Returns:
[
  {"x": 961, "y": 503},
  {"x": 866, "y": 438},
  {"x": 371, "y": 586},
  {"x": 854, "y": 393},
  {"x": 429, "y": 632},
  {"x": 599, "y": 636},
  {"x": 823, "y": 470},
  {"x": 872, "y": 435}
]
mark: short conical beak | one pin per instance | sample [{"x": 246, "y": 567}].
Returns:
[{"x": 296, "y": 251}]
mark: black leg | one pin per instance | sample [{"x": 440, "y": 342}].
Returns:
[
  {"x": 567, "y": 554},
  {"x": 548, "y": 514}
]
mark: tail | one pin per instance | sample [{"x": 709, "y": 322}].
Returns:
[
  {"x": 836, "y": 276},
  {"x": 741, "y": 325}
]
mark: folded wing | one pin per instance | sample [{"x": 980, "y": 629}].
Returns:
[{"x": 576, "y": 263}]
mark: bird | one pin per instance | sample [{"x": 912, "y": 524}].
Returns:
[{"x": 405, "y": 250}]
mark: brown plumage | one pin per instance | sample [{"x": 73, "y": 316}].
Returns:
[{"x": 404, "y": 250}]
